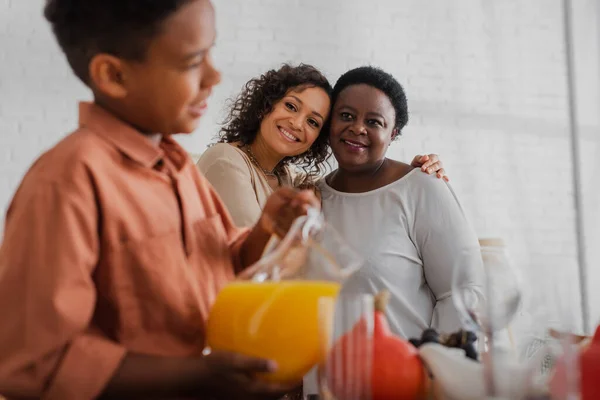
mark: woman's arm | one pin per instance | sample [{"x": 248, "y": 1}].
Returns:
[{"x": 446, "y": 241}]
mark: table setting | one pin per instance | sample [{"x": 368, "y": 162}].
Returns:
[{"x": 294, "y": 313}]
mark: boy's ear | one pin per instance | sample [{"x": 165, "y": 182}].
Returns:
[{"x": 107, "y": 75}]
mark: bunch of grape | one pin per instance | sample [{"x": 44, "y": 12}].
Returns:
[{"x": 462, "y": 340}]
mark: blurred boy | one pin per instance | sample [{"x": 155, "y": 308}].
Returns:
[{"x": 115, "y": 247}]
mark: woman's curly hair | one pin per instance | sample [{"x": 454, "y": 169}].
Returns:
[{"x": 256, "y": 101}]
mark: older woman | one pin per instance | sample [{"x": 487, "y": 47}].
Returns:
[{"x": 410, "y": 227}]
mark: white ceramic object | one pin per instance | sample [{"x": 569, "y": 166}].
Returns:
[{"x": 456, "y": 377}]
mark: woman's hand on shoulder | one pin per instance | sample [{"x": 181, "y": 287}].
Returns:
[{"x": 430, "y": 164}]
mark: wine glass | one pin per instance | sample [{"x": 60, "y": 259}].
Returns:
[{"x": 487, "y": 292}]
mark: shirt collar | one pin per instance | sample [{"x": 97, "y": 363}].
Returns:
[{"x": 124, "y": 137}]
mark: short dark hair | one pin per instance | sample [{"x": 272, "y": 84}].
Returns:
[
  {"x": 122, "y": 28},
  {"x": 257, "y": 99},
  {"x": 378, "y": 79}
]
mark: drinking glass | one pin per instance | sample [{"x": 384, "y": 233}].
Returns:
[
  {"x": 346, "y": 329},
  {"x": 487, "y": 293}
]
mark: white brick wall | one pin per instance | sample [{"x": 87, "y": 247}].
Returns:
[{"x": 486, "y": 88}]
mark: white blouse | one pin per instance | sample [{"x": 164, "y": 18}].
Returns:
[{"x": 412, "y": 233}]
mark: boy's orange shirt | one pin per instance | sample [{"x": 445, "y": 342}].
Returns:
[{"x": 111, "y": 245}]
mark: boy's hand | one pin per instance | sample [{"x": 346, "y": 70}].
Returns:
[
  {"x": 232, "y": 376},
  {"x": 284, "y": 206}
]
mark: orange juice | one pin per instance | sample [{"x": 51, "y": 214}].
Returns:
[{"x": 272, "y": 320}]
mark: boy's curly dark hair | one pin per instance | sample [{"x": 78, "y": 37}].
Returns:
[
  {"x": 256, "y": 101},
  {"x": 381, "y": 80},
  {"x": 122, "y": 28}
]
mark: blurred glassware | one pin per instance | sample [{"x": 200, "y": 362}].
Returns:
[
  {"x": 346, "y": 327},
  {"x": 270, "y": 311},
  {"x": 501, "y": 285}
]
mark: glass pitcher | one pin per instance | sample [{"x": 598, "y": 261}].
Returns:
[{"x": 270, "y": 311}]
